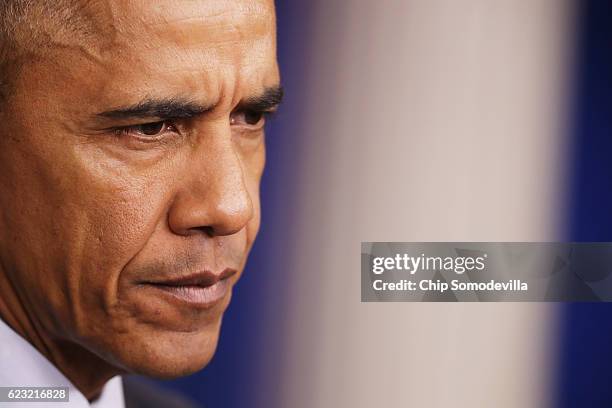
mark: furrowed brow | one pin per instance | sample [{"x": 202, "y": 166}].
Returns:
[
  {"x": 267, "y": 101},
  {"x": 157, "y": 108}
]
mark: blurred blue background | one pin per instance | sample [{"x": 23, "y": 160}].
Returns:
[{"x": 585, "y": 365}]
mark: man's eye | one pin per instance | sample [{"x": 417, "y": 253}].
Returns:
[
  {"x": 148, "y": 129},
  {"x": 251, "y": 119}
]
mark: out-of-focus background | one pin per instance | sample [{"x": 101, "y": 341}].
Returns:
[{"x": 424, "y": 120}]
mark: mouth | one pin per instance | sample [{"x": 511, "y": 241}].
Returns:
[{"x": 203, "y": 289}]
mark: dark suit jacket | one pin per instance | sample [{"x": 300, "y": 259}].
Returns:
[{"x": 139, "y": 393}]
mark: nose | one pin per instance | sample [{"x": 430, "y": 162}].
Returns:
[{"x": 214, "y": 198}]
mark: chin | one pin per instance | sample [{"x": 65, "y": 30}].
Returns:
[{"x": 170, "y": 355}]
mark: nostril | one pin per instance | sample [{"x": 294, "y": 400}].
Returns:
[{"x": 208, "y": 230}]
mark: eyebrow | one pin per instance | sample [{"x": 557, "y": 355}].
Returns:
[
  {"x": 165, "y": 108},
  {"x": 178, "y": 108},
  {"x": 267, "y": 101}
]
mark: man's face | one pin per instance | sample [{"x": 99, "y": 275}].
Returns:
[{"x": 130, "y": 164}]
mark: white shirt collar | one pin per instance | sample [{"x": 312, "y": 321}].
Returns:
[{"x": 22, "y": 365}]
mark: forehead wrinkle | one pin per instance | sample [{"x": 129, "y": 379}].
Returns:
[
  {"x": 109, "y": 27},
  {"x": 82, "y": 27},
  {"x": 168, "y": 12},
  {"x": 87, "y": 49},
  {"x": 205, "y": 23},
  {"x": 212, "y": 69}
]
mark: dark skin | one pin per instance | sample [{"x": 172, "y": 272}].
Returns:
[{"x": 129, "y": 156}]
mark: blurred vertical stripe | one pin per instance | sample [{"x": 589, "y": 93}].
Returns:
[{"x": 426, "y": 120}]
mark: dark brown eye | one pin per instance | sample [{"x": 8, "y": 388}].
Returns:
[
  {"x": 252, "y": 118},
  {"x": 248, "y": 118},
  {"x": 151, "y": 129}
]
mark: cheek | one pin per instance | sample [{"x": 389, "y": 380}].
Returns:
[
  {"x": 70, "y": 223},
  {"x": 254, "y": 169},
  {"x": 117, "y": 227},
  {"x": 120, "y": 220},
  {"x": 110, "y": 218},
  {"x": 252, "y": 227},
  {"x": 124, "y": 207}
]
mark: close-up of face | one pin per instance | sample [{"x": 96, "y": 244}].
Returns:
[{"x": 130, "y": 162}]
